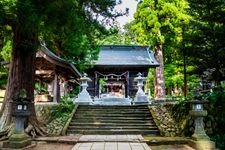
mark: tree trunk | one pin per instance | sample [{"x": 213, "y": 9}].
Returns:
[
  {"x": 159, "y": 89},
  {"x": 21, "y": 76}
]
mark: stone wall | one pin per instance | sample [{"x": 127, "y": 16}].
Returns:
[
  {"x": 180, "y": 113},
  {"x": 174, "y": 119},
  {"x": 44, "y": 114},
  {"x": 44, "y": 111},
  {"x": 164, "y": 120}
]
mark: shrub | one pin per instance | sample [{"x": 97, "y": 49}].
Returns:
[{"x": 64, "y": 108}]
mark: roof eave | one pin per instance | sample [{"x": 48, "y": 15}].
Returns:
[{"x": 51, "y": 57}]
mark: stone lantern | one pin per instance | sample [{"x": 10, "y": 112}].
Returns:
[
  {"x": 20, "y": 106},
  {"x": 201, "y": 138},
  {"x": 83, "y": 96},
  {"x": 140, "y": 97},
  {"x": 21, "y": 113},
  {"x": 198, "y": 114}
]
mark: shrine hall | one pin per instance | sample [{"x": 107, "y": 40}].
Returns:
[{"x": 114, "y": 71}]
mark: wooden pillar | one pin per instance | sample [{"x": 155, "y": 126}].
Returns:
[
  {"x": 66, "y": 87},
  {"x": 39, "y": 86},
  {"x": 56, "y": 91},
  {"x": 51, "y": 88},
  {"x": 128, "y": 84},
  {"x": 96, "y": 85}
]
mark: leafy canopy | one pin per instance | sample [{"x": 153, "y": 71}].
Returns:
[{"x": 69, "y": 27}]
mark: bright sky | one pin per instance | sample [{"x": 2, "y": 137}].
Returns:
[{"x": 131, "y": 4}]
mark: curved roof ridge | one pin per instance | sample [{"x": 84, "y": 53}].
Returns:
[
  {"x": 53, "y": 58},
  {"x": 126, "y": 55}
]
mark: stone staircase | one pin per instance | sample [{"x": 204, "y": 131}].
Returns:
[{"x": 109, "y": 120}]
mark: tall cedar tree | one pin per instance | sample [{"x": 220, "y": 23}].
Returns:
[{"x": 158, "y": 23}]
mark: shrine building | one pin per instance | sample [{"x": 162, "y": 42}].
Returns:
[
  {"x": 55, "y": 76},
  {"x": 117, "y": 65}
]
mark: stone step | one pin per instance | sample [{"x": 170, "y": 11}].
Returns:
[
  {"x": 110, "y": 124},
  {"x": 112, "y": 127},
  {"x": 107, "y": 111},
  {"x": 113, "y": 132},
  {"x": 147, "y": 115},
  {"x": 113, "y": 107},
  {"x": 97, "y": 118},
  {"x": 113, "y": 110},
  {"x": 112, "y": 121}
]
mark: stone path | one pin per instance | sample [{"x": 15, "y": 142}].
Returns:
[
  {"x": 111, "y": 142},
  {"x": 111, "y": 138},
  {"x": 93, "y": 138},
  {"x": 118, "y": 142},
  {"x": 102, "y": 142},
  {"x": 111, "y": 146}
]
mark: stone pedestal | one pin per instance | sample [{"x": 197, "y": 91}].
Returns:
[
  {"x": 205, "y": 145},
  {"x": 18, "y": 141},
  {"x": 84, "y": 97},
  {"x": 140, "y": 97}
]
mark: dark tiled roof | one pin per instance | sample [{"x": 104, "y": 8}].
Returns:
[{"x": 121, "y": 55}]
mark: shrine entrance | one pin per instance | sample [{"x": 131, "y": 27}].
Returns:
[
  {"x": 112, "y": 85},
  {"x": 113, "y": 89}
]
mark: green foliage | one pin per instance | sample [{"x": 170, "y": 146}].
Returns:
[
  {"x": 219, "y": 139},
  {"x": 150, "y": 82},
  {"x": 173, "y": 75},
  {"x": 6, "y": 50},
  {"x": 218, "y": 95},
  {"x": 75, "y": 35},
  {"x": 102, "y": 83},
  {"x": 206, "y": 45},
  {"x": 159, "y": 22},
  {"x": 70, "y": 28},
  {"x": 217, "y": 100},
  {"x": 64, "y": 108},
  {"x": 3, "y": 77},
  {"x": 42, "y": 89}
]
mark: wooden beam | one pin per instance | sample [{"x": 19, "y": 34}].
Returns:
[{"x": 41, "y": 72}]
